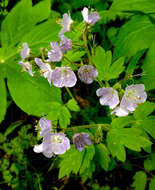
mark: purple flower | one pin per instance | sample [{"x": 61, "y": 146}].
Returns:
[
  {"x": 26, "y": 67},
  {"x": 80, "y": 140},
  {"x": 53, "y": 143},
  {"x": 65, "y": 44},
  {"x": 45, "y": 126},
  {"x": 133, "y": 96},
  {"x": 91, "y": 18},
  {"x": 25, "y": 51},
  {"x": 120, "y": 111},
  {"x": 109, "y": 97},
  {"x": 87, "y": 73},
  {"x": 66, "y": 23},
  {"x": 63, "y": 77},
  {"x": 55, "y": 54},
  {"x": 46, "y": 70}
]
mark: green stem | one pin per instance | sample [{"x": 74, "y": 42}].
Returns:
[
  {"x": 68, "y": 60},
  {"x": 105, "y": 127},
  {"x": 100, "y": 82},
  {"x": 71, "y": 61},
  {"x": 69, "y": 92},
  {"x": 86, "y": 45}
]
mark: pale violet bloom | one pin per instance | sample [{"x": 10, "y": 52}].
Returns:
[
  {"x": 133, "y": 96},
  {"x": 65, "y": 44},
  {"x": 87, "y": 73},
  {"x": 46, "y": 70},
  {"x": 53, "y": 144},
  {"x": 66, "y": 23},
  {"x": 91, "y": 18},
  {"x": 120, "y": 111},
  {"x": 25, "y": 52},
  {"x": 63, "y": 77},
  {"x": 45, "y": 127},
  {"x": 55, "y": 54},
  {"x": 26, "y": 67},
  {"x": 108, "y": 97},
  {"x": 80, "y": 140}
]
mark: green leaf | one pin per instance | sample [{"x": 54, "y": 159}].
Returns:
[
  {"x": 64, "y": 117},
  {"x": 115, "y": 147},
  {"x": 17, "y": 23},
  {"x": 21, "y": 20},
  {"x": 134, "y": 62},
  {"x": 131, "y": 138},
  {"x": 3, "y": 98},
  {"x": 87, "y": 158},
  {"x": 32, "y": 94},
  {"x": 144, "y": 110},
  {"x": 148, "y": 78},
  {"x": 103, "y": 63},
  {"x": 102, "y": 156},
  {"x": 149, "y": 163},
  {"x": 71, "y": 162},
  {"x": 131, "y": 37},
  {"x": 140, "y": 180},
  {"x": 42, "y": 34},
  {"x": 148, "y": 125},
  {"x": 152, "y": 184},
  {"x": 41, "y": 11},
  {"x": 146, "y": 6},
  {"x": 72, "y": 105},
  {"x": 121, "y": 122},
  {"x": 126, "y": 9},
  {"x": 55, "y": 108}
]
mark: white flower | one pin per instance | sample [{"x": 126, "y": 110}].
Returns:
[
  {"x": 66, "y": 23},
  {"x": 109, "y": 97},
  {"x": 91, "y": 18}
]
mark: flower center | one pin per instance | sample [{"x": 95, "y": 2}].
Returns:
[
  {"x": 132, "y": 95},
  {"x": 57, "y": 139}
]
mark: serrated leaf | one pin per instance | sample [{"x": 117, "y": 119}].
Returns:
[
  {"x": 106, "y": 69},
  {"x": 3, "y": 98},
  {"x": 72, "y": 105},
  {"x": 144, "y": 110},
  {"x": 64, "y": 117},
  {"x": 32, "y": 94},
  {"x": 71, "y": 162},
  {"x": 116, "y": 148},
  {"x": 87, "y": 158},
  {"x": 149, "y": 163},
  {"x": 152, "y": 184},
  {"x": 131, "y": 138},
  {"x": 140, "y": 180},
  {"x": 121, "y": 122},
  {"x": 148, "y": 125},
  {"x": 102, "y": 156}
]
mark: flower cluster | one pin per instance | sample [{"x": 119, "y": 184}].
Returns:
[
  {"x": 57, "y": 143},
  {"x": 133, "y": 96},
  {"x": 53, "y": 143},
  {"x": 62, "y": 76}
]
